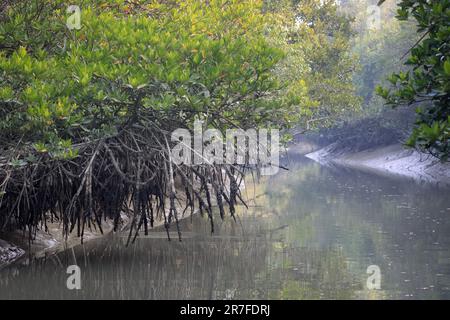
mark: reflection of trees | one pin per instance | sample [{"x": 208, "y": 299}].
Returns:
[
  {"x": 202, "y": 266},
  {"x": 313, "y": 274},
  {"x": 338, "y": 223},
  {"x": 395, "y": 223}
]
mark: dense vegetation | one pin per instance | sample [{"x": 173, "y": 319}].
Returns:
[
  {"x": 410, "y": 38},
  {"x": 426, "y": 83},
  {"x": 123, "y": 67},
  {"x": 379, "y": 46},
  {"x": 86, "y": 114},
  {"x": 317, "y": 38}
]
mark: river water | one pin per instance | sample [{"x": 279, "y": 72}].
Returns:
[{"x": 310, "y": 233}]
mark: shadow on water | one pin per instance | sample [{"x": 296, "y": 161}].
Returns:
[{"x": 310, "y": 233}]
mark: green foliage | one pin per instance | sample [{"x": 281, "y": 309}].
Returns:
[
  {"x": 85, "y": 114},
  {"x": 317, "y": 39},
  {"x": 129, "y": 64},
  {"x": 427, "y": 83},
  {"x": 378, "y": 49},
  {"x": 227, "y": 62},
  {"x": 328, "y": 50}
]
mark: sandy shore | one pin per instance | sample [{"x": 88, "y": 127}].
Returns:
[{"x": 392, "y": 160}]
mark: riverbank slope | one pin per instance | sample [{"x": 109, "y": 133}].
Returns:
[{"x": 392, "y": 159}]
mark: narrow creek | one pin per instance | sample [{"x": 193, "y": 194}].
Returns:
[{"x": 310, "y": 233}]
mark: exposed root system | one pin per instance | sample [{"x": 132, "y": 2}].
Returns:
[{"x": 130, "y": 173}]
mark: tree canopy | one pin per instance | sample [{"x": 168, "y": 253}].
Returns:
[
  {"x": 178, "y": 59},
  {"x": 317, "y": 39},
  {"x": 86, "y": 113},
  {"x": 426, "y": 83}
]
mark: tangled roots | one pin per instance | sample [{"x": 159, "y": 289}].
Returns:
[{"x": 131, "y": 173}]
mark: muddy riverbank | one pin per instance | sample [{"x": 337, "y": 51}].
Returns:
[{"x": 393, "y": 159}]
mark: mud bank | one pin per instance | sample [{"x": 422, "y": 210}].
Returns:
[
  {"x": 15, "y": 246},
  {"x": 9, "y": 253},
  {"x": 389, "y": 160}
]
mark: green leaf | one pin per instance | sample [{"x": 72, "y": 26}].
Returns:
[{"x": 447, "y": 67}]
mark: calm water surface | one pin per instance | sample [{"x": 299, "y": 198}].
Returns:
[{"x": 309, "y": 233}]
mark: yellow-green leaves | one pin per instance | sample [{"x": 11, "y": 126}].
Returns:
[
  {"x": 21, "y": 53},
  {"x": 447, "y": 67},
  {"x": 206, "y": 57},
  {"x": 136, "y": 82},
  {"x": 6, "y": 93},
  {"x": 84, "y": 76}
]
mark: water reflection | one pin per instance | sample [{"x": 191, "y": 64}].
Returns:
[{"x": 310, "y": 233}]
